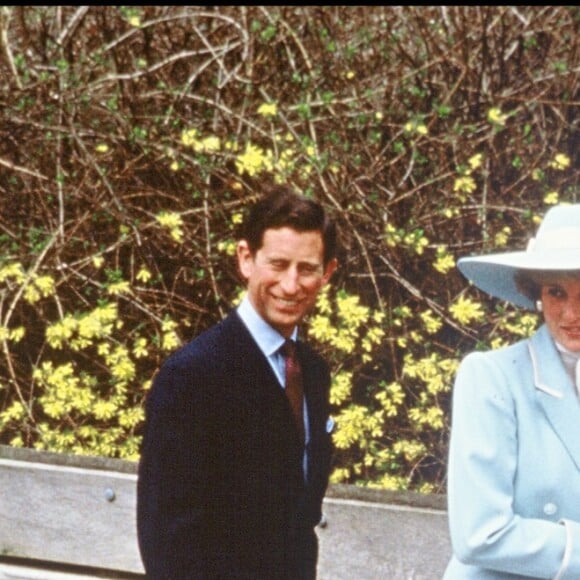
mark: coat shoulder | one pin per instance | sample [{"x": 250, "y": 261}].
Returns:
[
  {"x": 195, "y": 366},
  {"x": 500, "y": 375},
  {"x": 507, "y": 355}
]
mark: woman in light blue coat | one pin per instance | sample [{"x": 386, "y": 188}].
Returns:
[{"x": 514, "y": 462}]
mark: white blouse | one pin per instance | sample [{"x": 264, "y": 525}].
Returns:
[{"x": 571, "y": 361}]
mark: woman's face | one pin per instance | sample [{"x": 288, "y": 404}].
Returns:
[{"x": 561, "y": 302}]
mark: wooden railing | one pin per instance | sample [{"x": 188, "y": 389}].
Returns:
[{"x": 66, "y": 516}]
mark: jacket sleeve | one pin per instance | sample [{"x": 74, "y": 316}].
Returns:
[
  {"x": 169, "y": 513},
  {"x": 485, "y": 530}
]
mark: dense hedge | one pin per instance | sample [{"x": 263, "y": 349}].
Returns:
[{"x": 133, "y": 140}]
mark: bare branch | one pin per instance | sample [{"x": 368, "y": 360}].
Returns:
[
  {"x": 19, "y": 169},
  {"x": 5, "y": 13}
]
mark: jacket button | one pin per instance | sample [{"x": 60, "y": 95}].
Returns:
[{"x": 550, "y": 509}]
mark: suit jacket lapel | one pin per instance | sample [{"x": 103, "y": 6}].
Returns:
[
  {"x": 259, "y": 385},
  {"x": 555, "y": 392},
  {"x": 247, "y": 361}
]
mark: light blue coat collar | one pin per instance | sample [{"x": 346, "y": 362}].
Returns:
[{"x": 555, "y": 392}]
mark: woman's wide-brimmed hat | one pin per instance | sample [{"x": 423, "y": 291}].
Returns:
[{"x": 556, "y": 247}]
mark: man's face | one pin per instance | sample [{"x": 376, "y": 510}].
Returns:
[{"x": 285, "y": 275}]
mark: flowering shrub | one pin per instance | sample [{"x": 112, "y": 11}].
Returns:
[{"x": 135, "y": 139}]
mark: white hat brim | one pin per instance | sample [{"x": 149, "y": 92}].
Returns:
[
  {"x": 556, "y": 247},
  {"x": 494, "y": 273}
]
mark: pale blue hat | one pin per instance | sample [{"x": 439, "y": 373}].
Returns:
[{"x": 555, "y": 247}]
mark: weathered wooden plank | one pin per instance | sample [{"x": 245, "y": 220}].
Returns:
[
  {"x": 68, "y": 514},
  {"x": 372, "y": 541},
  {"x": 23, "y": 571},
  {"x": 80, "y": 511}
]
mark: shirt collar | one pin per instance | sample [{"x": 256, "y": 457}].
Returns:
[
  {"x": 571, "y": 361},
  {"x": 269, "y": 340}
]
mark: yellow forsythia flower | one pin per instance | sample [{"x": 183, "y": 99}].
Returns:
[
  {"x": 13, "y": 270},
  {"x": 341, "y": 388},
  {"x": 495, "y": 116},
  {"x": 144, "y": 275},
  {"x": 254, "y": 160},
  {"x": 431, "y": 322},
  {"x": 416, "y": 126},
  {"x": 227, "y": 246},
  {"x": 122, "y": 287},
  {"x": 560, "y": 162},
  {"x": 268, "y": 109},
  {"x": 475, "y": 161},
  {"x": 464, "y": 184},
  {"x": 170, "y": 339},
  {"x": 98, "y": 261},
  {"x": 444, "y": 263},
  {"x": 173, "y": 222},
  {"x": 189, "y": 137},
  {"x": 207, "y": 145},
  {"x": 140, "y": 347},
  {"x": 466, "y": 311},
  {"x": 17, "y": 334},
  {"x": 502, "y": 237},
  {"x": 45, "y": 284}
]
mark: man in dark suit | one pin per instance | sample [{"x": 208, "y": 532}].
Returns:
[{"x": 230, "y": 482}]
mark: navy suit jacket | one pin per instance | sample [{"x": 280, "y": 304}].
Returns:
[{"x": 221, "y": 488}]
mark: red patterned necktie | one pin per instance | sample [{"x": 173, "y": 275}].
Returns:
[{"x": 294, "y": 388}]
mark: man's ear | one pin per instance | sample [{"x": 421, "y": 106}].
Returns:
[
  {"x": 245, "y": 259},
  {"x": 329, "y": 270}
]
